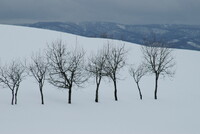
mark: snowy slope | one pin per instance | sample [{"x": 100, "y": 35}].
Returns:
[{"x": 176, "y": 111}]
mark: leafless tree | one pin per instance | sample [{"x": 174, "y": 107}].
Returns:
[
  {"x": 115, "y": 61},
  {"x": 158, "y": 60},
  {"x": 96, "y": 68},
  {"x": 11, "y": 76},
  {"x": 137, "y": 74},
  {"x": 66, "y": 68},
  {"x": 38, "y": 69}
]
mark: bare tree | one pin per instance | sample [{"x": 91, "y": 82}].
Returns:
[
  {"x": 137, "y": 74},
  {"x": 115, "y": 61},
  {"x": 38, "y": 69},
  {"x": 96, "y": 68},
  {"x": 11, "y": 76},
  {"x": 66, "y": 68},
  {"x": 158, "y": 60}
]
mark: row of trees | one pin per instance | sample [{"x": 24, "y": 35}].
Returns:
[
  {"x": 107, "y": 63},
  {"x": 157, "y": 60},
  {"x": 64, "y": 68}
]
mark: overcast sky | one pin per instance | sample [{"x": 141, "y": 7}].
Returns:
[{"x": 122, "y": 11}]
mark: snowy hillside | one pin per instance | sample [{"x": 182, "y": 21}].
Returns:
[
  {"x": 176, "y": 111},
  {"x": 179, "y": 36}
]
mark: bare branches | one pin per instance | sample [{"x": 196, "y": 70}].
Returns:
[
  {"x": 137, "y": 74},
  {"x": 38, "y": 69},
  {"x": 66, "y": 67},
  {"x": 158, "y": 60},
  {"x": 11, "y": 76},
  {"x": 96, "y": 65},
  {"x": 57, "y": 60},
  {"x": 96, "y": 68},
  {"x": 115, "y": 60}
]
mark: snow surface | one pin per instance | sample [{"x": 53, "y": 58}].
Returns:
[{"x": 176, "y": 111}]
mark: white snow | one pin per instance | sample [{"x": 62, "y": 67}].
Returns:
[
  {"x": 176, "y": 111},
  {"x": 193, "y": 44},
  {"x": 121, "y": 26}
]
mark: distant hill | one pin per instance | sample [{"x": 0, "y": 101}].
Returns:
[{"x": 178, "y": 36}]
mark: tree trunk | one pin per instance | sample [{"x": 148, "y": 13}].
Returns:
[
  {"x": 115, "y": 91},
  {"x": 41, "y": 93},
  {"x": 13, "y": 96},
  {"x": 156, "y": 88},
  {"x": 16, "y": 94},
  {"x": 97, "y": 93},
  {"x": 140, "y": 93},
  {"x": 70, "y": 93}
]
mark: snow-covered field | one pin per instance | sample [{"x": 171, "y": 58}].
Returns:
[{"x": 177, "y": 110}]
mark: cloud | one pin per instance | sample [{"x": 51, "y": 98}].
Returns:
[{"x": 126, "y": 11}]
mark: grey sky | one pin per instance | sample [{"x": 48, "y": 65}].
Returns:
[{"x": 122, "y": 11}]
